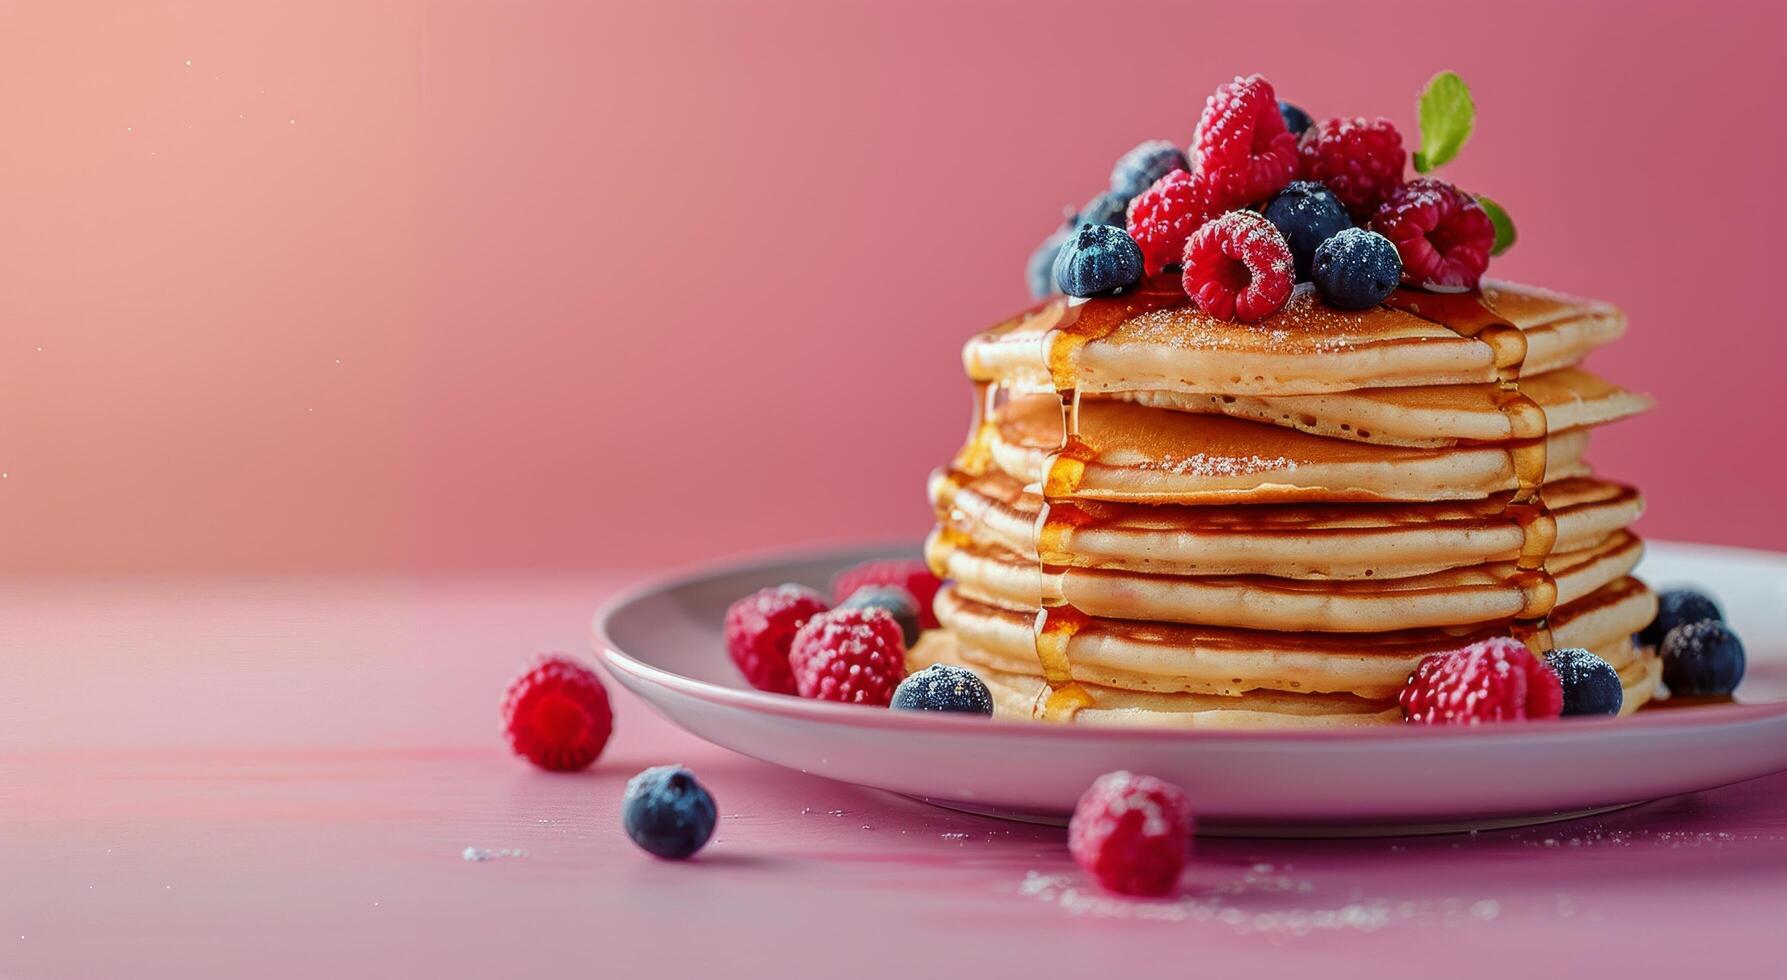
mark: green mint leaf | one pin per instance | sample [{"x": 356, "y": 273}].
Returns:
[
  {"x": 1504, "y": 225},
  {"x": 1447, "y": 114}
]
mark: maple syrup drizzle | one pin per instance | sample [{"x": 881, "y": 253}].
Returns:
[
  {"x": 1469, "y": 315},
  {"x": 1057, "y": 621}
]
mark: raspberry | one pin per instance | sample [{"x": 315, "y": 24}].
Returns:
[
  {"x": 761, "y": 626},
  {"x": 1244, "y": 153},
  {"x": 849, "y": 655},
  {"x": 1495, "y": 680},
  {"x": 909, "y": 574},
  {"x": 1239, "y": 268},
  {"x": 1132, "y": 833},
  {"x": 557, "y": 714},
  {"x": 1162, "y": 217},
  {"x": 1442, "y": 234},
  {"x": 1360, "y": 160}
]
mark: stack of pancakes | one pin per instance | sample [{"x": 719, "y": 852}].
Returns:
[{"x": 1160, "y": 517}]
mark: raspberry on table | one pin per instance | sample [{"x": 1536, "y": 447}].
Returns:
[
  {"x": 556, "y": 715},
  {"x": 1132, "y": 833},
  {"x": 1359, "y": 159},
  {"x": 1244, "y": 153},
  {"x": 851, "y": 655},
  {"x": 910, "y": 574},
  {"x": 1443, "y": 235},
  {"x": 1162, "y": 217},
  {"x": 1497, "y": 679},
  {"x": 1238, "y": 267},
  {"x": 760, "y": 628}
]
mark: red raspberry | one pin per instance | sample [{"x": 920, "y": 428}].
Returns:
[
  {"x": 1162, "y": 217},
  {"x": 557, "y": 714},
  {"x": 850, "y": 655},
  {"x": 1442, "y": 233},
  {"x": 1495, "y": 680},
  {"x": 1239, "y": 268},
  {"x": 909, "y": 574},
  {"x": 1360, "y": 160},
  {"x": 760, "y": 628},
  {"x": 1244, "y": 153},
  {"x": 1132, "y": 833}
]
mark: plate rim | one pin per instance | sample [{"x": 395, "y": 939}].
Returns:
[{"x": 618, "y": 661}]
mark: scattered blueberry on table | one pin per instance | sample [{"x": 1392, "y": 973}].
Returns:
[{"x": 668, "y": 813}]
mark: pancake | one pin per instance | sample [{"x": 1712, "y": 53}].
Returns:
[
  {"x": 1150, "y": 455},
  {"x": 1455, "y": 597},
  {"x": 1015, "y": 694},
  {"x": 1229, "y": 661},
  {"x": 1348, "y": 541},
  {"x": 1424, "y": 416},
  {"x": 1152, "y": 339}
]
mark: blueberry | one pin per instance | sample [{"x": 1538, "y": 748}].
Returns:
[
  {"x": 896, "y": 601},
  {"x": 1702, "y": 659},
  {"x": 1306, "y": 214},
  {"x": 1591, "y": 685},
  {"x": 1041, "y": 270},
  {"x": 1675, "y": 607},
  {"x": 1295, "y": 119},
  {"x": 1356, "y": 269},
  {"x": 667, "y": 812},
  {"x": 1098, "y": 259},
  {"x": 1108, "y": 208},
  {"x": 1138, "y": 169},
  {"x": 942, "y": 687}
]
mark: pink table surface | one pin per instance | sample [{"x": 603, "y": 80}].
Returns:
[{"x": 280, "y": 777}]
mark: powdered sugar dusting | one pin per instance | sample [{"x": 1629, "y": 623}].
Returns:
[
  {"x": 1211, "y": 465},
  {"x": 1264, "y": 900}
]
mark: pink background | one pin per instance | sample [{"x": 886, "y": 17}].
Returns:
[{"x": 432, "y": 285}]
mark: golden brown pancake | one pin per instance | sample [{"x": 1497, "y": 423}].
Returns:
[
  {"x": 1151, "y": 455},
  {"x": 1341, "y": 541},
  {"x": 1159, "y": 342},
  {"x": 1230, "y": 661},
  {"x": 1423, "y": 416},
  {"x": 1454, "y": 597}
]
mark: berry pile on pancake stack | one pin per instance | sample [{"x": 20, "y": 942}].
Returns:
[{"x": 1271, "y": 450}]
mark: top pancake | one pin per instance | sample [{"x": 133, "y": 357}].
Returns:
[{"x": 1154, "y": 341}]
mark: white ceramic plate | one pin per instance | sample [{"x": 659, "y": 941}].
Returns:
[{"x": 663, "y": 642}]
